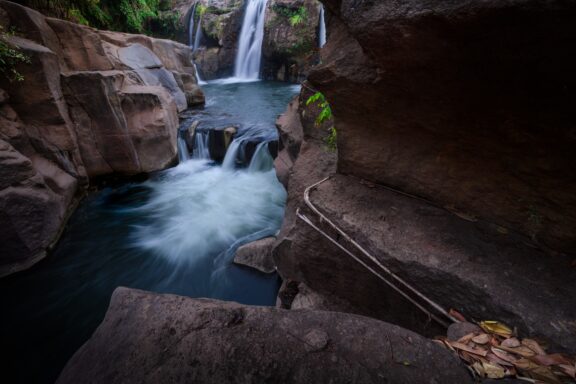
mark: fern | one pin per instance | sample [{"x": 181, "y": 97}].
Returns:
[{"x": 10, "y": 57}]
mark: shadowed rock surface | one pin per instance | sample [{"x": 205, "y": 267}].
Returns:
[
  {"x": 466, "y": 103},
  {"x": 151, "y": 338}
]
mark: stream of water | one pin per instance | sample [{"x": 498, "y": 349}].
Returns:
[{"x": 172, "y": 233}]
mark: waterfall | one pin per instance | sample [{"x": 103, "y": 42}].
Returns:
[
  {"x": 198, "y": 36},
  {"x": 261, "y": 161},
  {"x": 183, "y": 154},
  {"x": 250, "y": 44},
  {"x": 201, "y": 145},
  {"x": 322, "y": 28},
  {"x": 191, "y": 25},
  {"x": 232, "y": 154}
]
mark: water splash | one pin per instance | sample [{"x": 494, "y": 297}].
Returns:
[
  {"x": 250, "y": 43},
  {"x": 183, "y": 153}
]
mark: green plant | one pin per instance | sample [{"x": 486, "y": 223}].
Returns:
[
  {"x": 323, "y": 116},
  {"x": 298, "y": 17},
  {"x": 201, "y": 10},
  {"x": 10, "y": 57}
]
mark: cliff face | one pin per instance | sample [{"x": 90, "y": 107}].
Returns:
[
  {"x": 454, "y": 166},
  {"x": 468, "y": 104},
  {"x": 92, "y": 104}
]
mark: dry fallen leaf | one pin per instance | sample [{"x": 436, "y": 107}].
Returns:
[
  {"x": 504, "y": 355},
  {"x": 533, "y": 345},
  {"x": 482, "y": 339},
  {"x": 543, "y": 373},
  {"x": 496, "y": 328},
  {"x": 511, "y": 342},
  {"x": 466, "y": 338},
  {"x": 570, "y": 370},
  {"x": 521, "y": 351},
  {"x": 553, "y": 359},
  {"x": 464, "y": 347},
  {"x": 479, "y": 369},
  {"x": 496, "y": 360},
  {"x": 494, "y": 371}
]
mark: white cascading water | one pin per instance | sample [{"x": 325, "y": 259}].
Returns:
[
  {"x": 322, "y": 28},
  {"x": 262, "y": 160},
  {"x": 198, "y": 36},
  {"x": 229, "y": 161},
  {"x": 183, "y": 154},
  {"x": 250, "y": 44},
  {"x": 201, "y": 146},
  {"x": 191, "y": 25}
]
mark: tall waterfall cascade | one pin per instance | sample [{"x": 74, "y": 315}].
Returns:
[
  {"x": 198, "y": 36},
  {"x": 322, "y": 28},
  {"x": 250, "y": 45},
  {"x": 191, "y": 25}
]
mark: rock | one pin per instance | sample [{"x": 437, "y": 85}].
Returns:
[
  {"x": 458, "y": 330},
  {"x": 161, "y": 77},
  {"x": 32, "y": 207},
  {"x": 257, "y": 255},
  {"x": 149, "y": 338},
  {"x": 192, "y": 91},
  {"x": 137, "y": 56},
  {"x": 289, "y": 51},
  {"x": 452, "y": 102}
]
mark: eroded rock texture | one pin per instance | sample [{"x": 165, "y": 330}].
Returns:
[
  {"x": 151, "y": 338},
  {"x": 92, "y": 104},
  {"x": 466, "y": 103}
]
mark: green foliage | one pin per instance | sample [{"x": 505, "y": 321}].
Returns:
[
  {"x": 10, "y": 57},
  {"x": 201, "y": 10},
  {"x": 78, "y": 17},
  {"x": 298, "y": 17},
  {"x": 323, "y": 116}
]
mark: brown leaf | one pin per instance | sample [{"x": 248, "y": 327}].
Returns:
[
  {"x": 496, "y": 328},
  {"x": 494, "y": 371},
  {"x": 553, "y": 359},
  {"x": 457, "y": 315},
  {"x": 521, "y": 350},
  {"x": 464, "y": 347},
  {"x": 504, "y": 355},
  {"x": 533, "y": 345},
  {"x": 493, "y": 358},
  {"x": 570, "y": 370},
  {"x": 511, "y": 342},
  {"x": 482, "y": 339},
  {"x": 543, "y": 373},
  {"x": 466, "y": 338},
  {"x": 525, "y": 364}
]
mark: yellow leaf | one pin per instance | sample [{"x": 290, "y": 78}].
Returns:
[
  {"x": 496, "y": 328},
  {"x": 494, "y": 371}
]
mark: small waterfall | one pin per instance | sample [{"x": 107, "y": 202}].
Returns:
[
  {"x": 183, "y": 154},
  {"x": 322, "y": 28},
  {"x": 201, "y": 145},
  {"x": 261, "y": 161},
  {"x": 191, "y": 25},
  {"x": 250, "y": 44},
  {"x": 198, "y": 36},
  {"x": 232, "y": 154}
]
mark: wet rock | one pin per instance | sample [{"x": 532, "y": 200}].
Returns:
[
  {"x": 137, "y": 56},
  {"x": 149, "y": 338},
  {"x": 458, "y": 330},
  {"x": 257, "y": 255}
]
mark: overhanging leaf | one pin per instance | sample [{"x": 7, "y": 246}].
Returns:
[{"x": 496, "y": 328}]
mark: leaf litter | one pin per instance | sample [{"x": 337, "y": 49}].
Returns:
[{"x": 496, "y": 352}]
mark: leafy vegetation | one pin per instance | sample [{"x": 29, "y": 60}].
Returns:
[
  {"x": 10, "y": 57},
  {"x": 136, "y": 16},
  {"x": 298, "y": 17},
  {"x": 323, "y": 116},
  {"x": 294, "y": 16}
]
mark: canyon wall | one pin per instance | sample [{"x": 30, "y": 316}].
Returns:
[
  {"x": 92, "y": 104},
  {"x": 468, "y": 104}
]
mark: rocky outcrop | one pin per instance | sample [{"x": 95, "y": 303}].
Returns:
[
  {"x": 289, "y": 48},
  {"x": 464, "y": 103},
  {"x": 411, "y": 153},
  {"x": 150, "y": 338},
  {"x": 92, "y": 104},
  {"x": 257, "y": 255}
]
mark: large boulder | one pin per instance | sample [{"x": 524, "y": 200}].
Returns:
[
  {"x": 466, "y": 103},
  {"x": 151, "y": 338}
]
